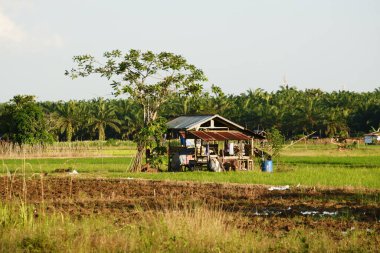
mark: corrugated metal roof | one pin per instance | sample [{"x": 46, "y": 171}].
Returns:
[
  {"x": 373, "y": 134},
  {"x": 191, "y": 122},
  {"x": 220, "y": 135},
  {"x": 187, "y": 122}
]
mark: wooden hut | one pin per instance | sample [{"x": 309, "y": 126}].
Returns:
[{"x": 209, "y": 141}]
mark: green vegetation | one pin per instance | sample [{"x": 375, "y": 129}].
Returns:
[
  {"x": 305, "y": 176},
  {"x": 346, "y": 162},
  {"x": 310, "y": 175},
  {"x": 22, "y": 121},
  {"x": 189, "y": 230},
  {"x": 149, "y": 79},
  {"x": 91, "y": 166},
  {"x": 104, "y": 116},
  {"x": 162, "y": 86},
  {"x": 359, "y": 168},
  {"x": 294, "y": 112},
  {"x": 193, "y": 226},
  {"x": 66, "y": 119}
]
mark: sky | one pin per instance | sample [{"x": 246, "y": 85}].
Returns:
[{"x": 240, "y": 45}]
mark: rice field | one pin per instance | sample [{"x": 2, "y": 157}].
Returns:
[
  {"x": 332, "y": 203},
  {"x": 318, "y": 165}
]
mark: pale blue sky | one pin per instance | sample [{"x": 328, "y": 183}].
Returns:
[{"x": 240, "y": 45}]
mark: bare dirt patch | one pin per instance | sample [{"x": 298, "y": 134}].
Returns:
[{"x": 254, "y": 205}]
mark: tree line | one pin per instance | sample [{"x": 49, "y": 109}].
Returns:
[
  {"x": 294, "y": 112},
  {"x": 298, "y": 112},
  {"x": 163, "y": 85}
]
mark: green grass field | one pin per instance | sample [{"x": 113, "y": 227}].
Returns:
[{"x": 311, "y": 165}]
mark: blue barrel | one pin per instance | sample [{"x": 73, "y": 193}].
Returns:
[{"x": 267, "y": 166}]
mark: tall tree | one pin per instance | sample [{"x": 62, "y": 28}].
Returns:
[
  {"x": 67, "y": 118},
  {"x": 148, "y": 78},
  {"x": 23, "y": 121}
]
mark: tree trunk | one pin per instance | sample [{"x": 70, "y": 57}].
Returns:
[
  {"x": 137, "y": 162},
  {"x": 101, "y": 133},
  {"x": 149, "y": 116},
  {"x": 69, "y": 132}
]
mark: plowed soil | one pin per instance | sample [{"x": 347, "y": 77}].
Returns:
[{"x": 253, "y": 205}]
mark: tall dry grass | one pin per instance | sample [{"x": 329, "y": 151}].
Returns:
[
  {"x": 10, "y": 150},
  {"x": 189, "y": 230}
]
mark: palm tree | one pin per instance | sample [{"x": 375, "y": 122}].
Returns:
[
  {"x": 66, "y": 117},
  {"x": 103, "y": 115},
  {"x": 335, "y": 122},
  {"x": 130, "y": 115},
  {"x": 83, "y": 129}
]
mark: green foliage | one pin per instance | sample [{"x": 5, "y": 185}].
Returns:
[
  {"x": 152, "y": 136},
  {"x": 276, "y": 142},
  {"x": 253, "y": 109},
  {"x": 157, "y": 160},
  {"x": 130, "y": 115},
  {"x": 150, "y": 79},
  {"x": 23, "y": 121},
  {"x": 67, "y": 118},
  {"x": 153, "y": 132},
  {"x": 294, "y": 112},
  {"x": 102, "y": 116}
]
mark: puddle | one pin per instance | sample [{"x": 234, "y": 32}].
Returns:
[
  {"x": 267, "y": 213},
  {"x": 288, "y": 210},
  {"x": 279, "y": 188},
  {"x": 324, "y": 213}
]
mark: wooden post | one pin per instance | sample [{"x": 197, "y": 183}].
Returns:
[
  {"x": 195, "y": 149},
  {"x": 208, "y": 151},
  {"x": 169, "y": 167},
  {"x": 252, "y": 154},
  {"x": 252, "y": 147}
]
